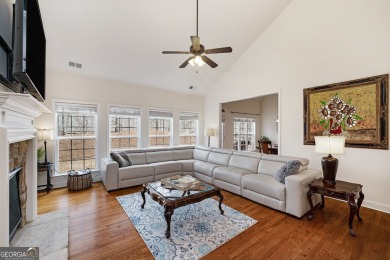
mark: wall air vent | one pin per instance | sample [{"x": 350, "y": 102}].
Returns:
[{"x": 75, "y": 64}]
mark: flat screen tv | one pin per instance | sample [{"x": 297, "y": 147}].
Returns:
[{"x": 29, "y": 50}]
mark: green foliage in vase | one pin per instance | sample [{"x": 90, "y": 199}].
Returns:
[{"x": 40, "y": 153}]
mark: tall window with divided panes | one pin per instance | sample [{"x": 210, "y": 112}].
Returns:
[
  {"x": 124, "y": 127},
  {"x": 160, "y": 127},
  {"x": 76, "y": 136},
  {"x": 188, "y": 128},
  {"x": 244, "y": 134}
]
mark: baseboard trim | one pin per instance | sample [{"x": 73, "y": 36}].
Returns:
[{"x": 376, "y": 206}]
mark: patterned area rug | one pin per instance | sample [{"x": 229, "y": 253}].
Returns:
[{"x": 196, "y": 229}]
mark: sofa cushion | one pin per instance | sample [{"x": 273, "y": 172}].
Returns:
[
  {"x": 265, "y": 185},
  {"x": 201, "y": 153},
  {"x": 220, "y": 156},
  {"x": 188, "y": 165},
  {"x": 166, "y": 167},
  {"x": 205, "y": 168},
  {"x": 230, "y": 175},
  {"x": 290, "y": 168},
  {"x": 284, "y": 159},
  {"x": 182, "y": 154},
  {"x": 245, "y": 160},
  {"x": 269, "y": 167},
  {"x": 121, "y": 158},
  {"x": 158, "y": 156},
  {"x": 137, "y": 158},
  {"x": 135, "y": 171}
]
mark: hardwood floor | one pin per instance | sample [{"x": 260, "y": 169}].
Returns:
[{"x": 99, "y": 229}]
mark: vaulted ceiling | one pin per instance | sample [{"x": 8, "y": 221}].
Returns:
[{"x": 122, "y": 40}]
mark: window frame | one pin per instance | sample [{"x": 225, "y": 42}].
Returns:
[
  {"x": 171, "y": 134},
  {"x": 57, "y": 138},
  {"x": 251, "y": 120},
  {"x": 188, "y": 113},
  {"x": 139, "y": 125}
]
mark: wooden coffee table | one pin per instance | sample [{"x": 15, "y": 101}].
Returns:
[{"x": 171, "y": 198}]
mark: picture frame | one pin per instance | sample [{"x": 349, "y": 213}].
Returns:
[{"x": 356, "y": 109}]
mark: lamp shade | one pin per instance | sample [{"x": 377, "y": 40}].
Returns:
[
  {"x": 44, "y": 134},
  {"x": 210, "y": 132},
  {"x": 330, "y": 144}
]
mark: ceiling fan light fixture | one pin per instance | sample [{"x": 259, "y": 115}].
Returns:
[
  {"x": 192, "y": 62},
  {"x": 199, "y": 61}
]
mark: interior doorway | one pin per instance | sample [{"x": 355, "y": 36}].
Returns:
[{"x": 243, "y": 122}]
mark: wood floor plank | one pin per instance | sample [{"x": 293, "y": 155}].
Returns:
[{"x": 100, "y": 229}]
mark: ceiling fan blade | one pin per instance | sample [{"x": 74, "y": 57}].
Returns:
[
  {"x": 195, "y": 42},
  {"x": 185, "y": 63},
  {"x": 211, "y": 63},
  {"x": 176, "y": 52},
  {"x": 219, "y": 50}
]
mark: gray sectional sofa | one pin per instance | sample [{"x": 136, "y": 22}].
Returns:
[{"x": 249, "y": 174}]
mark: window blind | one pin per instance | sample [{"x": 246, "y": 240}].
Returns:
[
  {"x": 160, "y": 113},
  {"x": 129, "y": 111},
  {"x": 65, "y": 107},
  {"x": 188, "y": 116}
]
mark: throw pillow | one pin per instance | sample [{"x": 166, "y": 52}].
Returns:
[
  {"x": 119, "y": 159},
  {"x": 290, "y": 168},
  {"x": 126, "y": 157}
]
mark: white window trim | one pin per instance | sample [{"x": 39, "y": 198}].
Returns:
[
  {"x": 157, "y": 117},
  {"x": 197, "y": 126},
  {"x": 56, "y": 138}
]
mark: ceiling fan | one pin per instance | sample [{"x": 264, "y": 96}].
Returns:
[{"x": 198, "y": 50}]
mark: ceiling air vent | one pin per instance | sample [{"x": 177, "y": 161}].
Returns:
[{"x": 75, "y": 64}]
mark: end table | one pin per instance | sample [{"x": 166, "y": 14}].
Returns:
[
  {"x": 46, "y": 167},
  {"x": 342, "y": 190}
]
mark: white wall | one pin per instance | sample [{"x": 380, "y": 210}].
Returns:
[
  {"x": 313, "y": 43},
  {"x": 60, "y": 86}
]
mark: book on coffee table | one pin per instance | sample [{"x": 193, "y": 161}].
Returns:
[{"x": 182, "y": 183}]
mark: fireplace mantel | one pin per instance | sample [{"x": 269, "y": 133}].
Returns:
[{"x": 17, "y": 115}]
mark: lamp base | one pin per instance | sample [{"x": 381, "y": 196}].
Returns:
[{"x": 329, "y": 169}]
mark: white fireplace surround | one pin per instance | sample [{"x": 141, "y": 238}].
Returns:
[{"x": 17, "y": 114}]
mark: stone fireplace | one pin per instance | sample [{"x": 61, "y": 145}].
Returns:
[{"x": 18, "y": 136}]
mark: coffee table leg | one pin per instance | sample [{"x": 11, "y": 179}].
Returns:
[
  {"x": 143, "y": 196},
  {"x": 168, "y": 214},
  {"x": 322, "y": 202},
  {"x": 220, "y": 201}
]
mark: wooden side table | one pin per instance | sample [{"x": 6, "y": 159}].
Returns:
[
  {"x": 46, "y": 167},
  {"x": 342, "y": 190}
]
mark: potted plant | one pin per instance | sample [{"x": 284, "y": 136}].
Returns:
[
  {"x": 264, "y": 138},
  {"x": 40, "y": 153}
]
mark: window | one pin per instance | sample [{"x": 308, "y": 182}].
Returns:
[
  {"x": 76, "y": 136},
  {"x": 244, "y": 134},
  {"x": 160, "y": 128},
  {"x": 124, "y": 127},
  {"x": 188, "y": 128}
]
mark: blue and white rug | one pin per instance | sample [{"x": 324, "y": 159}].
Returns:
[{"x": 196, "y": 229}]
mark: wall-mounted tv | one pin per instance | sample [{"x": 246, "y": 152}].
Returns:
[{"x": 29, "y": 48}]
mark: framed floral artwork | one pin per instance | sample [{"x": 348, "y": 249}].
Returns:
[{"x": 356, "y": 109}]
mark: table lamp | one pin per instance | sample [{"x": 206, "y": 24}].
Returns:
[
  {"x": 329, "y": 145},
  {"x": 209, "y": 132},
  {"x": 44, "y": 135}
]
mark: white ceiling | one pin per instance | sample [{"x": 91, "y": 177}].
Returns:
[{"x": 122, "y": 40}]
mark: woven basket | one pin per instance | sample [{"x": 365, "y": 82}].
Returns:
[{"x": 79, "y": 180}]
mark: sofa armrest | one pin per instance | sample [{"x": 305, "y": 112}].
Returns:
[
  {"x": 296, "y": 189},
  {"x": 109, "y": 173}
]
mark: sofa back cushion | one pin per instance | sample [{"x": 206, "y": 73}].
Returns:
[
  {"x": 137, "y": 157},
  {"x": 182, "y": 154},
  {"x": 245, "y": 160},
  {"x": 158, "y": 156},
  {"x": 220, "y": 156},
  {"x": 201, "y": 153},
  {"x": 271, "y": 164}
]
